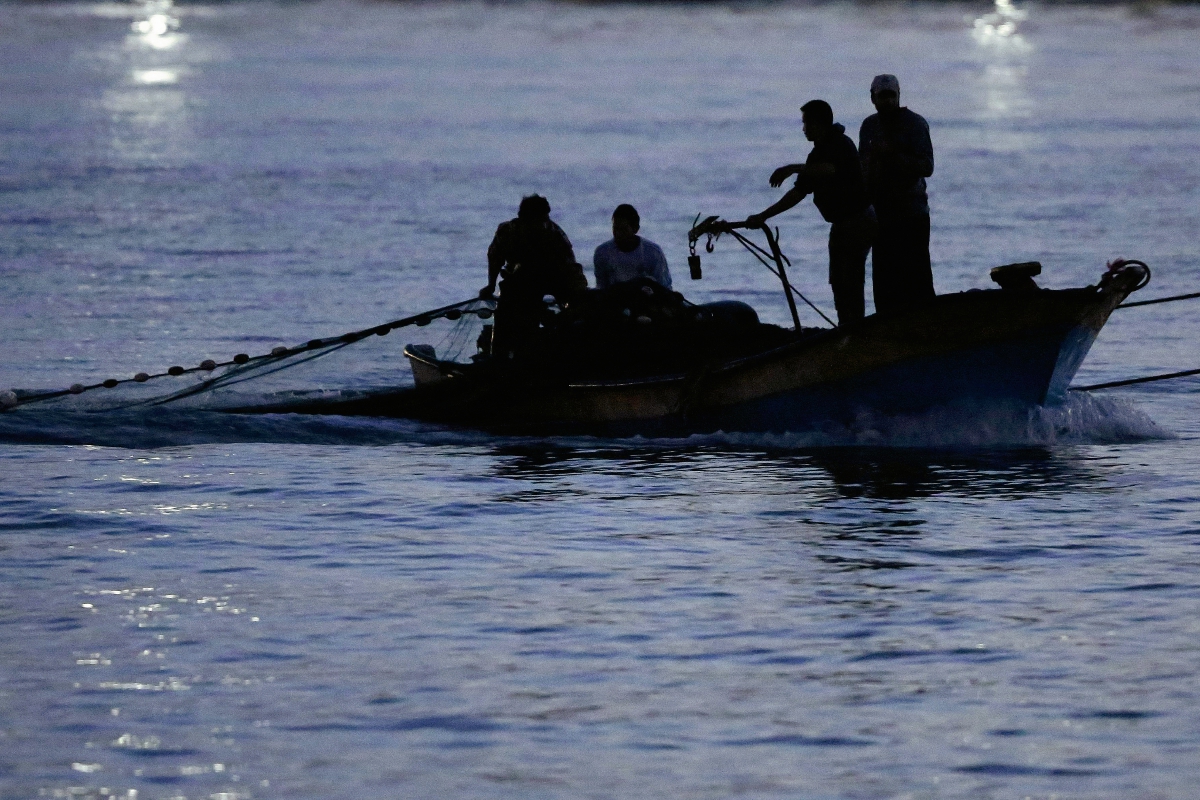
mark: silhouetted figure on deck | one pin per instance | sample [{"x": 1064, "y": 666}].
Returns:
[
  {"x": 532, "y": 258},
  {"x": 897, "y": 157},
  {"x": 627, "y": 256},
  {"x": 832, "y": 175}
]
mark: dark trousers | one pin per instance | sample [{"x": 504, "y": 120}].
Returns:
[
  {"x": 900, "y": 271},
  {"x": 520, "y": 311},
  {"x": 849, "y": 242},
  {"x": 516, "y": 324}
]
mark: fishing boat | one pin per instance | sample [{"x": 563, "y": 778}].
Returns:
[{"x": 644, "y": 361}]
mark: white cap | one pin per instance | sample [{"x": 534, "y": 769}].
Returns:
[{"x": 885, "y": 83}]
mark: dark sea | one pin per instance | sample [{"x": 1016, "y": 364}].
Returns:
[{"x": 193, "y": 605}]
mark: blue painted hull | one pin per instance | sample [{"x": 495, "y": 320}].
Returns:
[{"x": 1015, "y": 372}]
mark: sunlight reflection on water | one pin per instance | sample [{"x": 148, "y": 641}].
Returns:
[
  {"x": 157, "y": 28},
  {"x": 1006, "y": 66},
  {"x": 1000, "y": 27},
  {"x": 149, "y": 111},
  {"x": 155, "y": 76}
]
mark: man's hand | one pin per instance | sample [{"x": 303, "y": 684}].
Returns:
[
  {"x": 487, "y": 292},
  {"x": 783, "y": 173}
]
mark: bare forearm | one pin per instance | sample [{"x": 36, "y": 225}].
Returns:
[
  {"x": 783, "y": 173},
  {"x": 789, "y": 200},
  {"x": 493, "y": 272}
]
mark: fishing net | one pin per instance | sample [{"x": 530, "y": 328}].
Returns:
[{"x": 352, "y": 364}]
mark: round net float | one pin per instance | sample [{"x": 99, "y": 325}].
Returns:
[
  {"x": 110, "y": 383},
  {"x": 208, "y": 364},
  {"x": 241, "y": 358},
  {"x": 76, "y": 388},
  {"x": 382, "y": 330},
  {"x": 423, "y": 321},
  {"x": 453, "y": 314},
  {"x": 313, "y": 344},
  {"x": 176, "y": 370},
  {"x": 484, "y": 313},
  {"x": 279, "y": 351},
  {"x": 141, "y": 377},
  {"x": 8, "y": 398}
]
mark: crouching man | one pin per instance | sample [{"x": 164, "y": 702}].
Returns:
[{"x": 531, "y": 257}]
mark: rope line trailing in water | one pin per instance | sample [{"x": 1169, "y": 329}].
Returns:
[
  {"x": 1173, "y": 298},
  {"x": 242, "y": 363},
  {"x": 221, "y": 381},
  {"x": 1166, "y": 376},
  {"x": 1131, "y": 381}
]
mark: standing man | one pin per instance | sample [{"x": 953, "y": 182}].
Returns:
[
  {"x": 832, "y": 175},
  {"x": 627, "y": 256},
  {"x": 535, "y": 258},
  {"x": 897, "y": 157}
]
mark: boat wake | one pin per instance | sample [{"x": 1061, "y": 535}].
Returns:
[{"x": 1083, "y": 419}]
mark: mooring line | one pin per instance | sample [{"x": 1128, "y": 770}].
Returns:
[
  {"x": 1131, "y": 381},
  {"x": 1191, "y": 296}
]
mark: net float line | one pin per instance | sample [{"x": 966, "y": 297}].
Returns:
[{"x": 9, "y": 399}]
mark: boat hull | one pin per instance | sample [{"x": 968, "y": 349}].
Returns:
[{"x": 993, "y": 346}]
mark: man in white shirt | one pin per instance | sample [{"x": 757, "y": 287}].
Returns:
[{"x": 627, "y": 256}]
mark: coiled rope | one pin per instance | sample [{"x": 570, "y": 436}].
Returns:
[{"x": 242, "y": 364}]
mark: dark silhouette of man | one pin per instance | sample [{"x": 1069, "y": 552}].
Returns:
[
  {"x": 897, "y": 157},
  {"x": 832, "y": 175},
  {"x": 532, "y": 258},
  {"x": 627, "y": 256}
]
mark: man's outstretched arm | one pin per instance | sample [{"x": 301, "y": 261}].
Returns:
[
  {"x": 789, "y": 200},
  {"x": 783, "y": 173}
]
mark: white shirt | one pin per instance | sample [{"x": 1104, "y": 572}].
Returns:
[{"x": 644, "y": 261}]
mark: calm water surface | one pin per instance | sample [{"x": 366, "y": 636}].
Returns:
[{"x": 946, "y": 606}]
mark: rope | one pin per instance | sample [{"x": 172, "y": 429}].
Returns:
[
  {"x": 752, "y": 247},
  {"x": 243, "y": 363},
  {"x": 1131, "y": 381},
  {"x": 1161, "y": 300},
  {"x": 221, "y": 381}
]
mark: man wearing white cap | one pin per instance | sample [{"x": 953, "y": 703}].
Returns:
[{"x": 897, "y": 157}]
